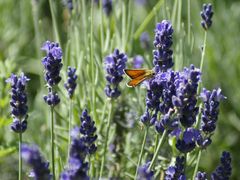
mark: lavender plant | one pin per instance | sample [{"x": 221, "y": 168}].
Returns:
[
  {"x": 114, "y": 66},
  {"x": 177, "y": 114},
  {"x": 70, "y": 86},
  {"x": 40, "y": 168},
  {"x": 52, "y": 63},
  {"x": 19, "y": 109},
  {"x": 77, "y": 167},
  {"x": 82, "y": 144}
]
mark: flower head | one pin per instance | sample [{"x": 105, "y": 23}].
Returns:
[
  {"x": 107, "y": 6},
  {"x": 224, "y": 170},
  {"x": 114, "y": 65},
  {"x": 52, "y": 99},
  {"x": 144, "y": 173},
  {"x": 88, "y": 131},
  {"x": 201, "y": 176},
  {"x": 185, "y": 100},
  {"x": 138, "y": 61},
  {"x": 34, "y": 159},
  {"x": 163, "y": 41},
  {"x": 77, "y": 167},
  {"x": 71, "y": 84},
  {"x": 177, "y": 171},
  {"x": 52, "y": 62},
  {"x": 210, "y": 110},
  {"x": 18, "y": 102},
  {"x": 159, "y": 95},
  {"x": 206, "y": 15},
  {"x": 70, "y": 5},
  {"x": 145, "y": 40},
  {"x": 188, "y": 141}
]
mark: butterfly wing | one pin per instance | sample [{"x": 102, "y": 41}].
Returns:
[
  {"x": 134, "y": 73},
  {"x": 136, "y": 81}
]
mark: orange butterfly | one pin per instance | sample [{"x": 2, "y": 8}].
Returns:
[{"x": 138, "y": 76}]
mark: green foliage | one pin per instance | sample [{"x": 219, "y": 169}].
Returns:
[{"x": 87, "y": 35}]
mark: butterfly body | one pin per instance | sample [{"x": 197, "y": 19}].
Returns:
[{"x": 138, "y": 76}]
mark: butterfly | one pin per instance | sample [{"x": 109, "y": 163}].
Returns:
[{"x": 138, "y": 76}]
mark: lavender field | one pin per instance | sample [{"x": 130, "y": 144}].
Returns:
[{"x": 119, "y": 89}]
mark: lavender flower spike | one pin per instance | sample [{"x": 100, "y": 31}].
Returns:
[
  {"x": 162, "y": 55},
  {"x": 33, "y": 158},
  {"x": 52, "y": 62},
  {"x": 107, "y": 6},
  {"x": 18, "y": 102},
  {"x": 52, "y": 98},
  {"x": 201, "y": 176},
  {"x": 144, "y": 173},
  {"x": 88, "y": 131},
  {"x": 185, "y": 100},
  {"x": 177, "y": 171},
  {"x": 224, "y": 170},
  {"x": 71, "y": 84},
  {"x": 210, "y": 110},
  {"x": 206, "y": 15},
  {"x": 145, "y": 40},
  {"x": 137, "y": 61},
  {"x": 114, "y": 65},
  {"x": 77, "y": 167}
]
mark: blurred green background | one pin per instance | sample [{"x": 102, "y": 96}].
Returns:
[{"x": 25, "y": 25}]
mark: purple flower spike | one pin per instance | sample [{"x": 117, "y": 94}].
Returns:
[
  {"x": 114, "y": 65},
  {"x": 163, "y": 41},
  {"x": 206, "y": 15},
  {"x": 33, "y": 158},
  {"x": 201, "y": 176},
  {"x": 210, "y": 110},
  {"x": 107, "y": 6},
  {"x": 18, "y": 102},
  {"x": 88, "y": 131},
  {"x": 77, "y": 167},
  {"x": 52, "y": 99},
  {"x": 145, "y": 40},
  {"x": 177, "y": 171},
  {"x": 224, "y": 170},
  {"x": 185, "y": 100},
  {"x": 138, "y": 61},
  {"x": 71, "y": 84},
  {"x": 189, "y": 140},
  {"x": 52, "y": 62},
  {"x": 144, "y": 173}
]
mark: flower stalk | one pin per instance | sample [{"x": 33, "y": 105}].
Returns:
[
  {"x": 141, "y": 152},
  {"x": 111, "y": 105},
  {"x": 52, "y": 142},
  {"x": 197, "y": 163},
  {"x": 164, "y": 135},
  {"x": 20, "y": 157}
]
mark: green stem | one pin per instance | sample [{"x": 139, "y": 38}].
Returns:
[
  {"x": 197, "y": 164},
  {"x": 185, "y": 162},
  {"x": 69, "y": 127},
  {"x": 141, "y": 153},
  {"x": 93, "y": 70},
  {"x": 201, "y": 67},
  {"x": 106, "y": 140},
  {"x": 203, "y": 51},
  {"x": 36, "y": 27},
  {"x": 157, "y": 150},
  {"x": 189, "y": 21},
  {"x": 52, "y": 142},
  {"x": 147, "y": 19},
  {"x": 20, "y": 157},
  {"x": 56, "y": 34},
  {"x": 156, "y": 140}
]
